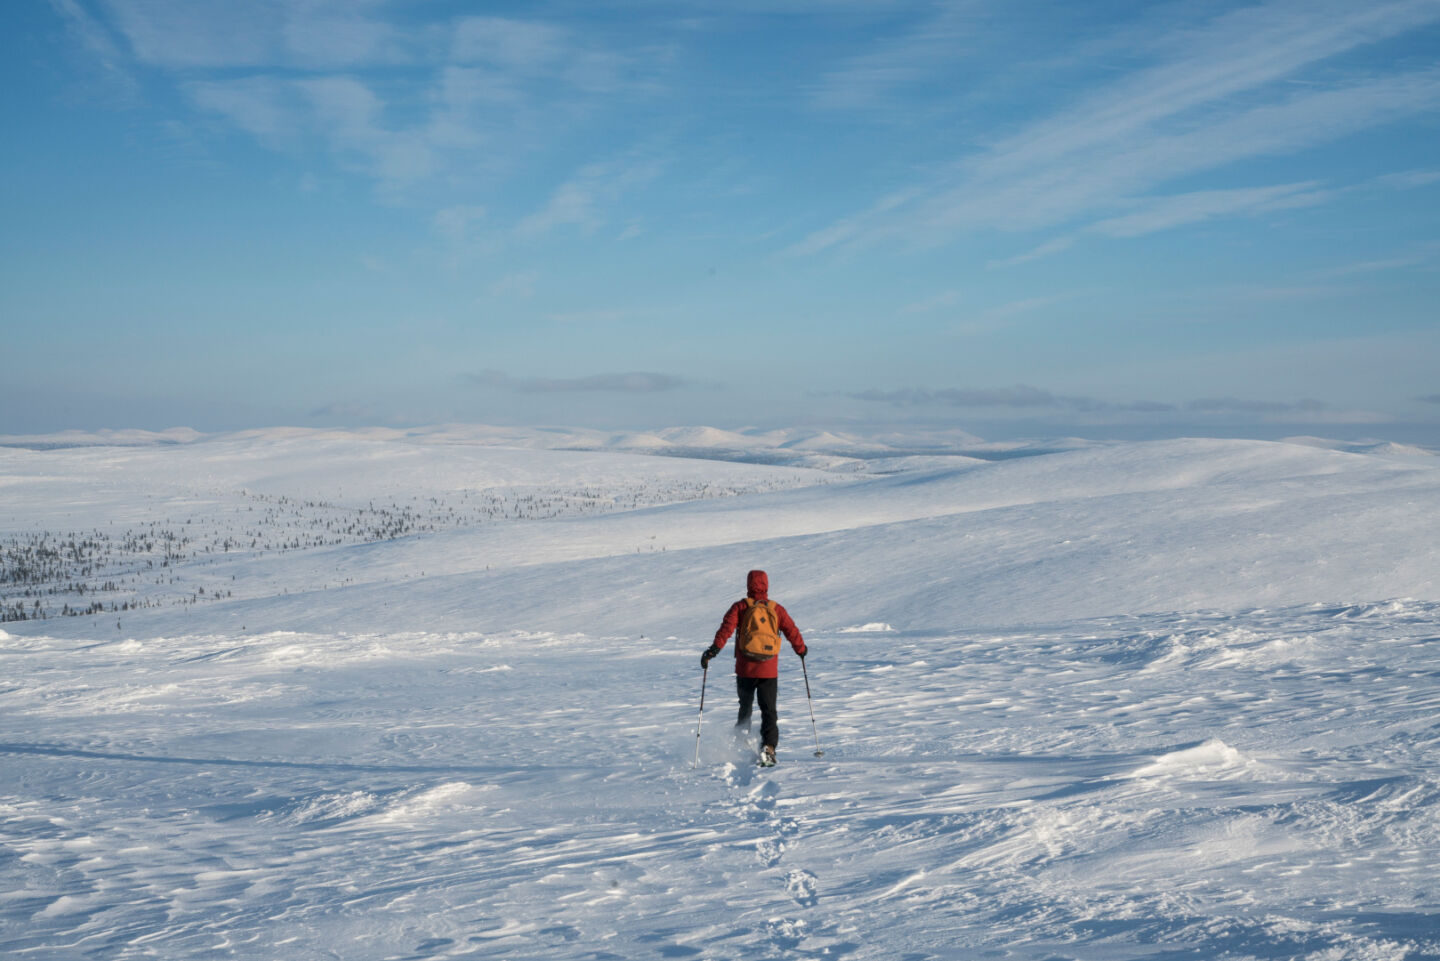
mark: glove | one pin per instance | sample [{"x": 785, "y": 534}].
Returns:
[
  {"x": 802, "y": 652},
  {"x": 708, "y": 656}
]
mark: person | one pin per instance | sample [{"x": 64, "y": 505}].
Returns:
[{"x": 757, "y": 678}]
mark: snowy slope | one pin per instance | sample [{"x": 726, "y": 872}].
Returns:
[
  {"x": 1165, "y": 526},
  {"x": 1143, "y": 700}
]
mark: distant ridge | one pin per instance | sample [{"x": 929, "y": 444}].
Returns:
[
  {"x": 102, "y": 438},
  {"x": 794, "y": 446}
]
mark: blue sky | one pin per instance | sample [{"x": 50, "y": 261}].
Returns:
[{"x": 1017, "y": 218}]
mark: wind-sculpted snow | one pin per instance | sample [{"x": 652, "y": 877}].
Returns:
[
  {"x": 1159, "y": 700},
  {"x": 1078, "y": 791}
]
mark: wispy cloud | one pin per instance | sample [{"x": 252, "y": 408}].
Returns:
[
  {"x": 1155, "y": 214},
  {"x": 216, "y": 34},
  {"x": 584, "y": 201},
  {"x": 1377, "y": 266},
  {"x": 520, "y": 285},
  {"x": 454, "y": 223},
  {"x": 1409, "y": 179},
  {"x": 539, "y": 51},
  {"x": 347, "y": 115},
  {"x": 350, "y": 115},
  {"x": 1219, "y": 97},
  {"x": 1164, "y": 213},
  {"x": 206, "y": 33},
  {"x": 870, "y": 80},
  {"x": 513, "y": 45},
  {"x": 1424, "y": 255},
  {"x": 336, "y": 34},
  {"x": 1431, "y": 399},
  {"x": 262, "y": 107},
  {"x": 478, "y": 93},
  {"x": 102, "y": 49},
  {"x": 639, "y": 382},
  {"x": 1241, "y": 51},
  {"x": 1049, "y": 247}
]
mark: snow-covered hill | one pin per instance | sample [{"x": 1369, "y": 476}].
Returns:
[{"x": 424, "y": 694}]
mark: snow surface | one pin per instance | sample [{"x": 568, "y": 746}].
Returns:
[{"x": 439, "y": 698}]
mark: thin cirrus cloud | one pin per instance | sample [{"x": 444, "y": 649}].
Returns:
[
  {"x": 103, "y": 51},
  {"x": 524, "y": 47},
  {"x": 1377, "y": 266},
  {"x": 455, "y": 223},
  {"x": 1178, "y": 210},
  {"x": 1224, "y": 94},
  {"x": 636, "y": 382},
  {"x": 182, "y": 34},
  {"x": 475, "y": 94},
  {"x": 1407, "y": 179},
  {"x": 1052, "y": 246},
  {"x": 344, "y": 111},
  {"x": 542, "y": 52},
  {"x": 203, "y": 34},
  {"x": 1167, "y": 212},
  {"x": 262, "y": 107},
  {"x": 581, "y": 201},
  {"x": 870, "y": 81}
]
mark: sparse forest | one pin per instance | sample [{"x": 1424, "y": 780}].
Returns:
[{"x": 165, "y": 561}]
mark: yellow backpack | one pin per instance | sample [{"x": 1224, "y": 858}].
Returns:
[{"x": 759, "y": 637}]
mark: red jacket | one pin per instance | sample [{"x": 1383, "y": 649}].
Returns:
[{"x": 757, "y": 585}]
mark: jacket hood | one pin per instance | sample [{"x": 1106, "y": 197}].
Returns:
[{"x": 757, "y": 585}]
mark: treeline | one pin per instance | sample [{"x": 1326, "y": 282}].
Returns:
[{"x": 157, "y": 563}]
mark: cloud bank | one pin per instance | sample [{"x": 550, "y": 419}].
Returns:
[
  {"x": 1023, "y": 397},
  {"x": 1017, "y": 397}
]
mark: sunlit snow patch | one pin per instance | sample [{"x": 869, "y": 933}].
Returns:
[
  {"x": 333, "y": 807},
  {"x": 1212, "y": 760},
  {"x": 431, "y": 802}
]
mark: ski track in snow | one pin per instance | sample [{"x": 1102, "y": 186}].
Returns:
[{"x": 1238, "y": 783}]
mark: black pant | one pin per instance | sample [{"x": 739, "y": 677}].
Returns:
[{"x": 766, "y": 688}]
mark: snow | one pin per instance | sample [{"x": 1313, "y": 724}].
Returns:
[{"x": 1099, "y": 701}]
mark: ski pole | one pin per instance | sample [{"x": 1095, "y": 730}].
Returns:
[
  {"x": 811, "y": 702},
  {"x": 703, "y": 678}
]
